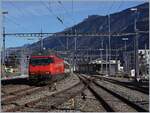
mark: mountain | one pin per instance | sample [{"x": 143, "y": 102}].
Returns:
[{"x": 120, "y": 22}]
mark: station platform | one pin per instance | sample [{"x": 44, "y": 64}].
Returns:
[
  {"x": 22, "y": 79},
  {"x": 14, "y": 77}
]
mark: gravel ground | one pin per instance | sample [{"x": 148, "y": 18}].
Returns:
[
  {"x": 63, "y": 95},
  {"x": 11, "y": 88},
  {"x": 122, "y": 79},
  {"x": 77, "y": 103},
  {"x": 68, "y": 82},
  {"x": 89, "y": 104},
  {"x": 60, "y": 85},
  {"x": 10, "y": 106},
  {"x": 2, "y": 94},
  {"x": 57, "y": 99},
  {"x": 114, "y": 102},
  {"x": 31, "y": 97},
  {"x": 133, "y": 95}
]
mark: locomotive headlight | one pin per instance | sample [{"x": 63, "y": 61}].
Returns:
[{"x": 47, "y": 72}]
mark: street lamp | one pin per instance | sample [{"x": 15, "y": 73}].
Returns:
[{"x": 136, "y": 45}]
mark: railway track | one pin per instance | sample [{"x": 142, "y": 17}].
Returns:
[
  {"x": 111, "y": 101},
  {"x": 41, "y": 99},
  {"x": 11, "y": 97},
  {"x": 17, "y": 88},
  {"x": 129, "y": 85},
  {"x": 12, "y": 89},
  {"x": 28, "y": 99},
  {"x": 16, "y": 81},
  {"x": 52, "y": 102}
]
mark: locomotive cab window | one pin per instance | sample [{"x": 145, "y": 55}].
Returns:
[{"x": 41, "y": 61}]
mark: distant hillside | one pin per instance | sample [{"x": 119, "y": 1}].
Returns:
[{"x": 122, "y": 22}]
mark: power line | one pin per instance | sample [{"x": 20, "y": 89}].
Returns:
[
  {"x": 67, "y": 11},
  {"x": 18, "y": 9},
  {"x": 70, "y": 16},
  {"x": 50, "y": 10},
  {"x": 120, "y": 5},
  {"x": 14, "y": 22},
  {"x": 72, "y": 7},
  {"x": 59, "y": 19},
  {"x": 21, "y": 10},
  {"x": 110, "y": 7}
]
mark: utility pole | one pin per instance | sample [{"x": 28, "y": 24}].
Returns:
[
  {"x": 90, "y": 55},
  {"x": 102, "y": 56},
  {"x": 125, "y": 46},
  {"x": 75, "y": 43},
  {"x": 109, "y": 47},
  {"x": 116, "y": 61},
  {"x": 125, "y": 55},
  {"x": 41, "y": 40},
  {"x": 3, "y": 47},
  {"x": 22, "y": 61},
  {"x": 87, "y": 55},
  {"x": 136, "y": 45},
  {"x": 67, "y": 43},
  {"x": 106, "y": 59},
  {"x": 75, "y": 48}
]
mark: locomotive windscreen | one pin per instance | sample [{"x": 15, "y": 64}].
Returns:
[{"x": 41, "y": 61}]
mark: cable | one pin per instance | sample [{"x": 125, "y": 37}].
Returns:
[
  {"x": 21, "y": 10},
  {"x": 120, "y": 5},
  {"x": 15, "y": 23},
  {"x": 110, "y": 7},
  {"x": 107, "y": 13},
  {"x": 50, "y": 10},
  {"x": 18, "y": 9},
  {"x": 15, "y": 20},
  {"x": 67, "y": 11},
  {"x": 72, "y": 7},
  {"x": 58, "y": 18}
]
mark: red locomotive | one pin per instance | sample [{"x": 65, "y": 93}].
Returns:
[{"x": 46, "y": 68}]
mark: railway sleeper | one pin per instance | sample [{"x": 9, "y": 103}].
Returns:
[{"x": 135, "y": 106}]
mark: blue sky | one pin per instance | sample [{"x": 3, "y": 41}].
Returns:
[{"x": 31, "y": 16}]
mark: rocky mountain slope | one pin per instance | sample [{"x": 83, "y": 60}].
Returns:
[{"x": 120, "y": 22}]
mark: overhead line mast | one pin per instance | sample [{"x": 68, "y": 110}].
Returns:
[
  {"x": 109, "y": 44},
  {"x": 109, "y": 36},
  {"x": 3, "y": 46}
]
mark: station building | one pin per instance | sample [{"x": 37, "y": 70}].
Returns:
[{"x": 101, "y": 67}]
